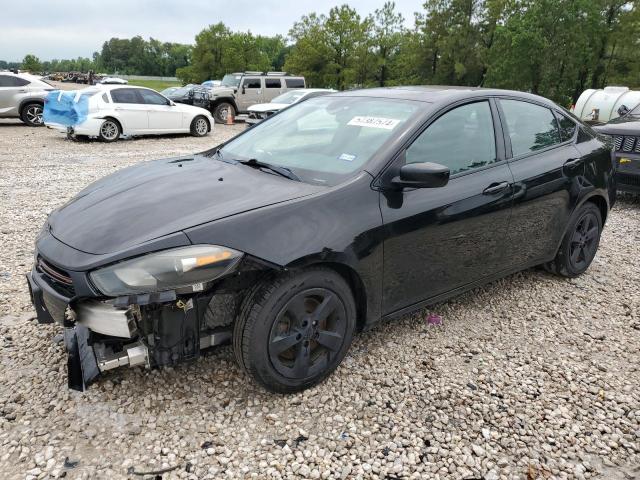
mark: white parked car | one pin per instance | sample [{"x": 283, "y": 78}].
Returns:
[
  {"x": 113, "y": 81},
  {"x": 107, "y": 112},
  {"x": 260, "y": 111}
]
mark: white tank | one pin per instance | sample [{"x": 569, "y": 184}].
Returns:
[{"x": 602, "y": 105}]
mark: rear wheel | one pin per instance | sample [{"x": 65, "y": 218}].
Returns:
[
  {"x": 580, "y": 243},
  {"x": 109, "y": 130},
  {"x": 292, "y": 332},
  {"x": 32, "y": 114},
  {"x": 222, "y": 111},
  {"x": 199, "y": 126}
]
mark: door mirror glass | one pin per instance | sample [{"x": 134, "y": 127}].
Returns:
[{"x": 422, "y": 175}]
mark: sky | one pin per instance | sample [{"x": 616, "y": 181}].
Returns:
[{"x": 71, "y": 28}]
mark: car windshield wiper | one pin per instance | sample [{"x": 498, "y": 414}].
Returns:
[{"x": 282, "y": 171}]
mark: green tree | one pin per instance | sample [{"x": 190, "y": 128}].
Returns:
[
  {"x": 31, "y": 63},
  {"x": 388, "y": 31}
]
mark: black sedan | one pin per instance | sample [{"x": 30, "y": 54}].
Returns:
[
  {"x": 625, "y": 134},
  {"x": 317, "y": 223}
]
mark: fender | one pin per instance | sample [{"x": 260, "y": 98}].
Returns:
[
  {"x": 218, "y": 100},
  {"x": 331, "y": 233},
  {"x": 24, "y": 101}
]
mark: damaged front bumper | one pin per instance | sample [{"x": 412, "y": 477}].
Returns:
[{"x": 149, "y": 330}]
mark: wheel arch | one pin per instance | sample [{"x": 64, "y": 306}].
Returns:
[
  {"x": 118, "y": 121},
  {"x": 353, "y": 279},
  {"x": 601, "y": 202},
  {"x": 26, "y": 101},
  {"x": 220, "y": 100}
]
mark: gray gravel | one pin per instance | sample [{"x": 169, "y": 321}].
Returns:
[{"x": 531, "y": 377}]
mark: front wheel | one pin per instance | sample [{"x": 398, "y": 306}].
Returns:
[
  {"x": 199, "y": 126},
  {"x": 294, "y": 330},
  {"x": 32, "y": 114},
  {"x": 580, "y": 242},
  {"x": 222, "y": 111}
]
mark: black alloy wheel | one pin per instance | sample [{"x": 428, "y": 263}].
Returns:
[
  {"x": 294, "y": 330},
  {"x": 307, "y": 333},
  {"x": 580, "y": 242},
  {"x": 584, "y": 242}
]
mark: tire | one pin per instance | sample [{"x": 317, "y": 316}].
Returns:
[
  {"x": 110, "y": 130},
  {"x": 294, "y": 330},
  {"x": 199, "y": 126},
  {"x": 222, "y": 110},
  {"x": 580, "y": 242},
  {"x": 31, "y": 114}
]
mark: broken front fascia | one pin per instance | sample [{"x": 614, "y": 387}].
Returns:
[{"x": 150, "y": 330}]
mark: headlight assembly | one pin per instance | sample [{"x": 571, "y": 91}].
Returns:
[{"x": 166, "y": 270}]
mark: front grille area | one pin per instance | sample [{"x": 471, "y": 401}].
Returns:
[
  {"x": 626, "y": 179},
  {"x": 626, "y": 144},
  {"x": 56, "y": 277}
]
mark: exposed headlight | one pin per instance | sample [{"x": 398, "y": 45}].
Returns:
[{"x": 166, "y": 270}]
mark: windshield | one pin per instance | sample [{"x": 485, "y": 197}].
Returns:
[
  {"x": 323, "y": 140},
  {"x": 231, "y": 80},
  {"x": 290, "y": 97},
  {"x": 635, "y": 111},
  {"x": 182, "y": 91}
]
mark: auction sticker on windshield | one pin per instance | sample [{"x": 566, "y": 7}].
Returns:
[{"x": 374, "y": 122}]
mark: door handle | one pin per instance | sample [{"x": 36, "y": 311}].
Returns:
[
  {"x": 573, "y": 162},
  {"x": 495, "y": 188}
]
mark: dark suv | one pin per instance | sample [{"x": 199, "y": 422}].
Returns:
[{"x": 625, "y": 133}]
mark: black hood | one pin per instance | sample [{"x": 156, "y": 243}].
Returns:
[
  {"x": 153, "y": 199},
  {"x": 627, "y": 125}
]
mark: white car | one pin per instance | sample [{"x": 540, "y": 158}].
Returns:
[
  {"x": 107, "y": 112},
  {"x": 260, "y": 111},
  {"x": 113, "y": 81}
]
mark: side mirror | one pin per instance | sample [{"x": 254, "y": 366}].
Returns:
[
  {"x": 623, "y": 110},
  {"x": 422, "y": 175}
]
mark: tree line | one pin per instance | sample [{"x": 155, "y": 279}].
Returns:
[{"x": 555, "y": 48}]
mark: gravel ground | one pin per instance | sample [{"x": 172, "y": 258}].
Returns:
[{"x": 531, "y": 377}]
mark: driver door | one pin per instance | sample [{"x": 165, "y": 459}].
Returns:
[{"x": 439, "y": 239}]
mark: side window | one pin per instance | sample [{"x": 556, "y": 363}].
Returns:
[
  {"x": 9, "y": 81},
  {"x": 531, "y": 127},
  {"x": 252, "y": 83},
  {"x": 125, "y": 95},
  {"x": 272, "y": 83},
  {"x": 105, "y": 99},
  {"x": 152, "y": 98},
  {"x": 567, "y": 127},
  {"x": 294, "y": 82},
  {"x": 462, "y": 139}
]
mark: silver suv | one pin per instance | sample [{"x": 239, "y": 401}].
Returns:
[
  {"x": 239, "y": 91},
  {"x": 22, "y": 96}
]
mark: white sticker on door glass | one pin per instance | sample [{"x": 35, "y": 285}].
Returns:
[{"x": 374, "y": 122}]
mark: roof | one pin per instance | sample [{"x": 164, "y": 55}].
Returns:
[{"x": 438, "y": 93}]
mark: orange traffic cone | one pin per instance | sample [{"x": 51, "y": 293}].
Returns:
[{"x": 230, "y": 117}]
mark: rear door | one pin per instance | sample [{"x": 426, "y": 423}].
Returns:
[
  {"x": 163, "y": 117},
  {"x": 548, "y": 171},
  {"x": 11, "y": 89},
  {"x": 131, "y": 110},
  {"x": 250, "y": 92},
  {"x": 272, "y": 88},
  {"x": 439, "y": 239}
]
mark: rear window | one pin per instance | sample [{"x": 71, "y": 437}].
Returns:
[
  {"x": 294, "y": 82},
  {"x": 531, "y": 127}
]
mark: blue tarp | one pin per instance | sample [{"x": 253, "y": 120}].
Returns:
[{"x": 66, "y": 108}]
